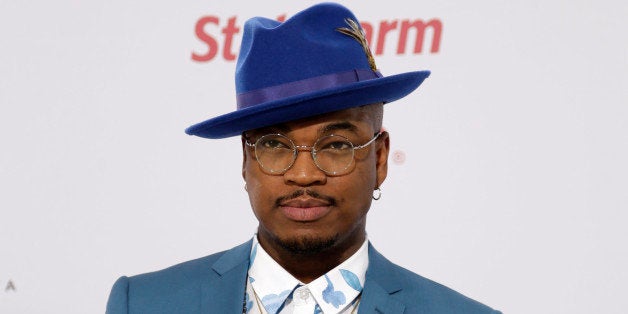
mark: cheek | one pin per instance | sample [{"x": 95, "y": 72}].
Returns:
[
  {"x": 357, "y": 191},
  {"x": 363, "y": 184},
  {"x": 259, "y": 187},
  {"x": 366, "y": 173}
]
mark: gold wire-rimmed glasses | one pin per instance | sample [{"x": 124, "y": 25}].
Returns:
[{"x": 332, "y": 154}]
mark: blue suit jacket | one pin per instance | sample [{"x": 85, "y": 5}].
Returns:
[{"x": 216, "y": 284}]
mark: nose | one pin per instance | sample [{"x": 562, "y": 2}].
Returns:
[{"x": 304, "y": 171}]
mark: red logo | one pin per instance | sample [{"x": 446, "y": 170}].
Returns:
[{"x": 218, "y": 35}]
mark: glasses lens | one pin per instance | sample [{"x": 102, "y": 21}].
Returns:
[
  {"x": 333, "y": 154},
  {"x": 274, "y": 152}
]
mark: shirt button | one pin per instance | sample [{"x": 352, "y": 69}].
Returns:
[{"x": 304, "y": 294}]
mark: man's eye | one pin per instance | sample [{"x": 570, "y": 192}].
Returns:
[
  {"x": 338, "y": 145},
  {"x": 274, "y": 144}
]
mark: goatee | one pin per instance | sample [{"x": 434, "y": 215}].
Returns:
[{"x": 307, "y": 245}]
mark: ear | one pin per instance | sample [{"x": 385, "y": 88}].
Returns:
[
  {"x": 381, "y": 156},
  {"x": 243, "y": 157}
]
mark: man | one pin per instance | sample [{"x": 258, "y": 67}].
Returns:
[{"x": 310, "y": 105}]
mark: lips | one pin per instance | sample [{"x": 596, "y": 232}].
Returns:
[{"x": 305, "y": 209}]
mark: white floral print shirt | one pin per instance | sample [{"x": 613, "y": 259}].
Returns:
[{"x": 271, "y": 289}]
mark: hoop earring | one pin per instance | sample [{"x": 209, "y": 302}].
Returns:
[{"x": 377, "y": 193}]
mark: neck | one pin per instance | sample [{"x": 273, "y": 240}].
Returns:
[{"x": 305, "y": 266}]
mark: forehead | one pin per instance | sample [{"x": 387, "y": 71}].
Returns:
[{"x": 356, "y": 120}]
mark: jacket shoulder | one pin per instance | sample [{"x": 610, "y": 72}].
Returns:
[
  {"x": 182, "y": 273},
  {"x": 440, "y": 298},
  {"x": 176, "y": 289},
  {"x": 420, "y": 294}
]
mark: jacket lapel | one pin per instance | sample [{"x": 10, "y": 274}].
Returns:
[
  {"x": 223, "y": 289},
  {"x": 381, "y": 282}
]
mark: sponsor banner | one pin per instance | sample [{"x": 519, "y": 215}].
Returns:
[{"x": 221, "y": 34}]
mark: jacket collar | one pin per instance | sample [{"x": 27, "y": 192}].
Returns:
[
  {"x": 381, "y": 283},
  {"x": 222, "y": 291}
]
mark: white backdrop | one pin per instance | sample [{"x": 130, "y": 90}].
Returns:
[{"x": 512, "y": 189}]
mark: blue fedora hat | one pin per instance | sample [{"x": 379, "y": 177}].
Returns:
[{"x": 316, "y": 62}]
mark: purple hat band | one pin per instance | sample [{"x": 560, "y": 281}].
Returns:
[{"x": 314, "y": 84}]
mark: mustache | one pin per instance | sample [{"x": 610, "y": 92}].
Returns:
[{"x": 310, "y": 193}]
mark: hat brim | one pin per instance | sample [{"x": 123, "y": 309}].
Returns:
[{"x": 379, "y": 90}]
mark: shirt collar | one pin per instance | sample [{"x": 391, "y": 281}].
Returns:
[{"x": 333, "y": 291}]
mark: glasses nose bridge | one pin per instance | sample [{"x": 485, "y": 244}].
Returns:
[
  {"x": 313, "y": 154},
  {"x": 299, "y": 148}
]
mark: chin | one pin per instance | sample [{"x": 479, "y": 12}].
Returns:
[{"x": 308, "y": 244}]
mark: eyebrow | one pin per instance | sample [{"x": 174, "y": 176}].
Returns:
[
  {"x": 344, "y": 125},
  {"x": 277, "y": 128}
]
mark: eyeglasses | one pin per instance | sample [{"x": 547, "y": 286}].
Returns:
[{"x": 332, "y": 154}]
